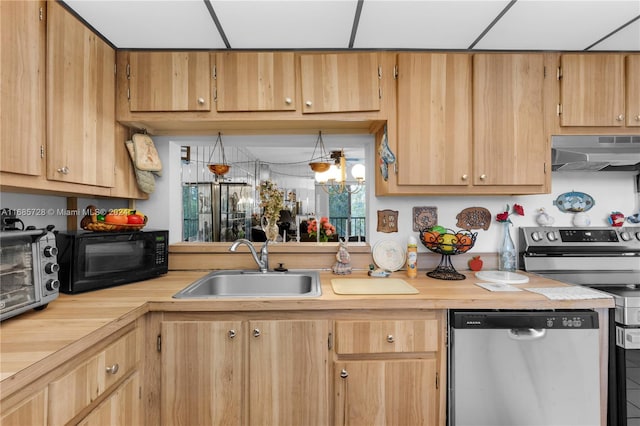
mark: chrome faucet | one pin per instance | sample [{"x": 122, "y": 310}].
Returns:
[{"x": 263, "y": 261}]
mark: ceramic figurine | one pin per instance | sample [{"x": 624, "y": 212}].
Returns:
[
  {"x": 343, "y": 265},
  {"x": 544, "y": 218},
  {"x": 581, "y": 219},
  {"x": 616, "y": 219}
]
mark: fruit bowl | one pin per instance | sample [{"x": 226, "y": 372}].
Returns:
[
  {"x": 91, "y": 223},
  {"x": 447, "y": 243}
]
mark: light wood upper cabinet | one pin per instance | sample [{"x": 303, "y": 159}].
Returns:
[
  {"x": 80, "y": 102},
  {"x": 169, "y": 81},
  {"x": 509, "y": 140},
  {"x": 434, "y": 119},
  {"x": 255, "y": 81},
  {"x": 340, "y": 82},
  {"x": 633, "y": 90},
  {"x": 592, "y": 90},
  {"x": 22, "y": 86},
  {"x": 202, "y": 373}
]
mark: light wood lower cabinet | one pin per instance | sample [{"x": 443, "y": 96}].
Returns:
[
  {"x": 32, "y": 411},
  {"x": 271, "y": 372},
  {"x": 121, "y": 408},
  {"x": 390, "y": 372},
  {"x": 72, "y": 393}
]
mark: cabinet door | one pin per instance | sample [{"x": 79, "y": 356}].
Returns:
[
  {"x": 202, "y": 379},
  {"x": 633, "y": 90},
  {"x": 392, "y": 392},
  {"x": 288, "y": 373},
  {"x": 169, "y": 81},
  {"x": 434, "y": 119},
  {"x": 80, "y": 102},
  {"x": 255, "y": 81},
  {"x": 340, "y": 82},
  {"x": 121, "y": 408},
  {"x": 592, "y": 90},
  {"x": 509, "y": 145},
  {"x": 32, "y": 411},
  {"x": 22, "y": 88}
]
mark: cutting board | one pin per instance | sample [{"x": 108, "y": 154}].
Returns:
[{"x": 372, "y": 286}]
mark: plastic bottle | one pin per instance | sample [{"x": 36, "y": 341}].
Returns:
[{"x": 412, "y": 257}]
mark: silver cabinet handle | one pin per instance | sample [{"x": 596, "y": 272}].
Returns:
[
  {"x": 637, "y": 117},
  {"x": 113, "y": 369},
  {"x": 256, "y": 332},
  {"x": 464, "y": 177},
  {"x": 288, "y": 101},
  {"x": 620, "y": 117},
  {"x": 344, "y": 374},
  {"x": 308, "y": 103},
  {"x": 483, "y": 177},
  {"x": 232, "y": 334},
  {"x": 64, "y": 170},
  {"x": 390, "y": 338},
  {"x": 200, "y": 101}
]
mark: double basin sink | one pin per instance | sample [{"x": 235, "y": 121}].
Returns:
[{"x": 244, "y": 283}]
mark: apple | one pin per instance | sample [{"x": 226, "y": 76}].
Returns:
[
  {"x": 475, "y": 264},
  {"x": 134, "y": 219}
]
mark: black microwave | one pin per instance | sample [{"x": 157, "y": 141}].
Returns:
[{"x": 95, "y": 260}]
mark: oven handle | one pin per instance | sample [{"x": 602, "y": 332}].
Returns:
[{"x": 526, "y": 333}]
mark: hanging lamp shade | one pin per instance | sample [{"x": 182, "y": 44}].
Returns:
[
  {"x": 319, "y": 163},
  {"x": 218, "y": 169}
]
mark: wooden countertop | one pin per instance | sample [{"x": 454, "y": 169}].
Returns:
[{"x": 73, "y": 323}]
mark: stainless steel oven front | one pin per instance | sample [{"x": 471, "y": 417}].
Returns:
[{"x": 607, "y": 259}]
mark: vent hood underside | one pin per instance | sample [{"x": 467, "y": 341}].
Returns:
[{"x": 595, "y": 153}]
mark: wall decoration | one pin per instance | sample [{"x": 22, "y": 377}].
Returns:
[
  {"x": 386, "y": 155},
  {"x": 574, "y": 202},
  {"x": 387, "y": 221},
  {"x": 474, "y": 218},
  {"x": 424, "y": 217}
]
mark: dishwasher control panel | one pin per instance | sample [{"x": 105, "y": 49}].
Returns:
[{"x": 570, "y": 319}]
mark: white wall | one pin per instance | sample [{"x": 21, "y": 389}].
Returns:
[{"x": 611, "y": 191}]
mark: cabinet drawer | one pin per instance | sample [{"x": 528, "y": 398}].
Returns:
[
  {"x": 84, "y": 384},
  {"x": 362, "y": 337}
]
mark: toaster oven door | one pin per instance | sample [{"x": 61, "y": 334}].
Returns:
[{"x": 17, "y": 263}]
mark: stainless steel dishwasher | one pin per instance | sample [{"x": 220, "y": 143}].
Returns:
[{"x": 524, "y": 368}]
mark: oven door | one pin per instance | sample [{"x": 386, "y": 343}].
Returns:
[
  {"x": 627, "y": 383},
  {"x": 106, "y": 260},
  {"x": 18, "y": 263}
]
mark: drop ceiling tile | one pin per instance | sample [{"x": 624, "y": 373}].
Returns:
[
  {"x": 626, "y": 39},
  {"x": 424, "y": 24},
  {"x": 269, "y": 24},
  {"x": 171, "y": 24},
  {"x": 558, "y": 24}
]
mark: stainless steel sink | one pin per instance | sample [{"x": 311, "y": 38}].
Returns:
[{"x": 239, "y": 283}]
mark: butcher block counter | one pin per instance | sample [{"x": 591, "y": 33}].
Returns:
[
  {"x": 32, "y": 337},
  {"x": 33, "y": 344}
]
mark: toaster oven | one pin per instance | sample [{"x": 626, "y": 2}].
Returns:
[{"x": 28, "y": 271}]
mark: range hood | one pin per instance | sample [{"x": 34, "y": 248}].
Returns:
[{"x": 580, "y": 153}]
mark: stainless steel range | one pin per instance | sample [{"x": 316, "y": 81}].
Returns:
[{"x": 607, "y": 259}]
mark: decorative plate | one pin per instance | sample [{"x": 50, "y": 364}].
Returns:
[
  {"x": 474, "y": 218},
  {"x": 388, "y": 255},
  {"x": 574, "y": 202},
  {"x": 424, "y": 217}
]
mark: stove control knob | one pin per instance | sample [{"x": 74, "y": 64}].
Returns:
[
  {"x": 536, "y": 236},
  {"x": 625, "y": 236},
  {"x": 52, "y": 285},
  {"x": 51, "y": 268},
  {"x": 551, "y": 236}
]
